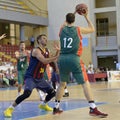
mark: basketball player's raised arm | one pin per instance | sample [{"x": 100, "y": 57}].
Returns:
[
  {"x": 62, "y": 26},
  {"x": 90, "y": 28},
  {"x": 2, "y": 36}
]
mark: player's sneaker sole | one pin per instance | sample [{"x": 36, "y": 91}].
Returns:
[{"x": 57, "y": 111}]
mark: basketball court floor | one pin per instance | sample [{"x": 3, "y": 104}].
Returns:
[{"x": 107, "y": 96}]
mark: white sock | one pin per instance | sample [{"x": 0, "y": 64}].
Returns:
[
  {"x": 57, "y": 104},
  {"x": 42, "y": 95},
  {"x": 57, "y": 87},
  {"x": 19, "y": 93},
  {"x": 11, "y": 106},
  {"x": 92, "y": 105},
  {"x": 43, "y": 103},
  {"x": 66, "y": 91}
]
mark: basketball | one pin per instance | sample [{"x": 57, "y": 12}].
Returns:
[{"x": 81, "y": 9}]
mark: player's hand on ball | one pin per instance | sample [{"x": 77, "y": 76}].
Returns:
[{"x": 82, "y": 9}]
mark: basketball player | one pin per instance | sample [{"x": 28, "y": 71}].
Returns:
[
  {"x": 22, "y": 57},
  {"x": 34, "y": 75},
  {"x": 69, "y": 61}
]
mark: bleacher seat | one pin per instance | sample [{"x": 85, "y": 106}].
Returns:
[{"x": 15, "y": 5}]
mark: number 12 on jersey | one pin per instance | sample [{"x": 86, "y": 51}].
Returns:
[{"x": 67, "y": 42}]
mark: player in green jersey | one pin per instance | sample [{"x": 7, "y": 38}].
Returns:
[
  {"x": 22, "y": 57},
  {"x": 69, "y": 61}
]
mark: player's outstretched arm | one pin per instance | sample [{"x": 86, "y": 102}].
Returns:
[
  {"x": 2, "y": 36},
  {"x": 90, "y": 28}
]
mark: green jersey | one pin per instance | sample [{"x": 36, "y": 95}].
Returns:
[
  {"x": 69, "y": 60},
  {"x": 22, "y": 63},
  {"x": 69, "y": 40}
]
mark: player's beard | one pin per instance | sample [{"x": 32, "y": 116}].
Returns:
[{"x": 44, "y": 44}]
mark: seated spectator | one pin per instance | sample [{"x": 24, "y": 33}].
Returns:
[
  {"x": 5, "y": 80},
  {"x": 90, "y": 70},
  {"x": 90, "y": 65},
  {"x": 11, "y": 76},
  {"x": 97, "y": 70}
]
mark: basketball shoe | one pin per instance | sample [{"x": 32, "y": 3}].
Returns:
[
  {"x": 45, "y": 107},
  {"x": 96, "y": 112},
  {"x": 57, "y": 111},
  {"x": 8, "y": 112},
  {"x": 66, "y": 94}
]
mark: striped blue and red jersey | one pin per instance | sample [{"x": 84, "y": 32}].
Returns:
[{"x": 36, "y": 68}]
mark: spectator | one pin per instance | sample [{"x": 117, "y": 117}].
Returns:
[
  {"x": 32, "y": 40},
  {"x": 90, "y": 65},
  {"x": 90, "y": 70}
]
